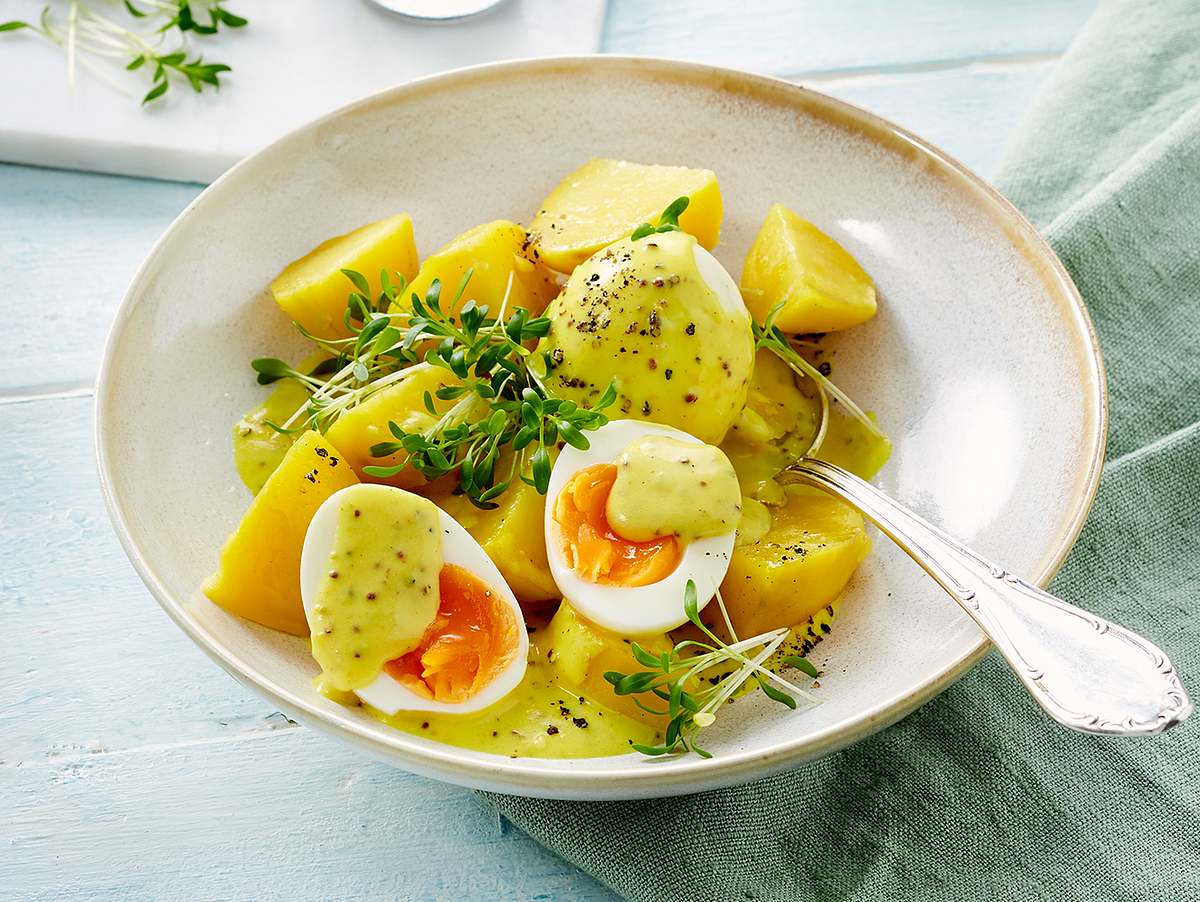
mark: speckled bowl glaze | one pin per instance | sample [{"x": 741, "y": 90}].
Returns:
[{"x": 982, "y": 365}]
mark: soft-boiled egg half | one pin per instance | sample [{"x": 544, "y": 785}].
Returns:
[
  {"x": 405, "y": 609},
  {"x": 634, "y": 517},
  {"x": 661, "y": 320}
]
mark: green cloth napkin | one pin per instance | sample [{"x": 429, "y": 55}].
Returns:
[{"x": 977, "y": 795}]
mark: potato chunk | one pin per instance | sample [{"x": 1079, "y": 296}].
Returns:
[
  {"x": 582, "y": 652},
  {"x": 605, "y": 200},
  {"x": 313, "y": 290},
  {"x": 356, "y": 430},
  {"x": 491, "y": 251},
  {"x": 513, "y": 535},
  {"x": 259, "y": 574},
  {"x": 821, "y": 286},
  {"x": 802, "y": 564}
]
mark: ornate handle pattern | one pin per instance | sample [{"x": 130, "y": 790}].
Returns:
[{"x": 1087, "y": 673}]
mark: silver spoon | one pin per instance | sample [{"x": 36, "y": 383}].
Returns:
[{"x": 1087, "y": 673}]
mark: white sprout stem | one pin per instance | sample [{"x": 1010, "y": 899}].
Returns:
[
  {"x": 804, "y": 368},
  {"x": 88, "y": 33},
  {"x": 461, "y": 409},
  {"x": 354, "y": 396},
  {"x": 504, "y": 300},
  {"x": 321, "y": 393},
  {"x": 104, "y": 76},
  {"x": 776, "y": 678},
  {"x": 725, "y": 616},
  {"x": 772, "y": 640},
  {"x": 72, "y": 29},
  {"x": 755, "y": 665},
  {"x": 734, "y": 682},
  {"x": 398, "y": 376}
]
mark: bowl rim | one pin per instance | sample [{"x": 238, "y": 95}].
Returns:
[{"x": 527, "y": 776}]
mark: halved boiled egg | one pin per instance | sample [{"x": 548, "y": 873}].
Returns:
[
  {"x": 634, "y": 517},
  {"x": 405, "y": 609}
]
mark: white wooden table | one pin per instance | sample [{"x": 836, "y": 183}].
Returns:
[{"x": 131, "y": 767}]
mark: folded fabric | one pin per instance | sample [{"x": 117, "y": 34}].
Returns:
[{"x": 976, "y": 795}]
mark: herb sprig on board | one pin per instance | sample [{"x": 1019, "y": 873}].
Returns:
[
  {"x": 497, "y": 420},
  {"x": 159, "y": 45},
  {"x": 677, "y": 677}
]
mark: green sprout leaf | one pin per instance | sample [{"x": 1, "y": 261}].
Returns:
[
  {"x": 801, "y": 664},
  {"x": 270, "y": 369},
  {"x": 667, "y": 222}
]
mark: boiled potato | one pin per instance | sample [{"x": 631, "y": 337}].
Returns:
[
  {"x": 582, "y": 653},
  {"x": 257, "y": 448},
  {"x": 356, "y": 430},
  {"x": 821, "y": 286},
  {"x": 313, "y": 290},
  {"x": 513, "y": 535},
  {"x": 803, "y": 563},
  {"x": 491, "y": 251},
  {"x": 259, "y": 574},
  {"x": 605, "y": 200}
]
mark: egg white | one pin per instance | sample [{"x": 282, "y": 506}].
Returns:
[
  {"x": 720, "y": 282},
  {"x": 459, "y": 547},
  {"x": 639, "y": 610}
]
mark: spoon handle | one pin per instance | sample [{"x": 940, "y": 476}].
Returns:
[{"x": 1087, "y": 673}]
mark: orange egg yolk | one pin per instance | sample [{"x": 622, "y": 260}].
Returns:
[
  {"x": 590, "y": 546},
  {"x": 471, "y": 640}
]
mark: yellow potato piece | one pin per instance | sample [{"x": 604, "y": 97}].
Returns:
[
  {"x": 605, "y": 200},
  {"x": 492, "y": 252},
  {"x": 821, "y": 286},
  {"x": 356, "y": 430},
  {"x": 513, "y": 535},
  {"x": 582, "y": 652},
  {"x": 313, "y": 290},
  {"x": 259, "y": 574},
  {"x": 803, "y": 563}
]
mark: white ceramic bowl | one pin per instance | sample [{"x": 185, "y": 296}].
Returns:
[{"x": 982, "y": 365}]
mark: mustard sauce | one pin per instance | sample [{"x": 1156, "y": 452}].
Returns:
[
  {"x": 541, "y": 718},
  {"x": 257, "y": 448},
  {"x": 665, "y": 486}
]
